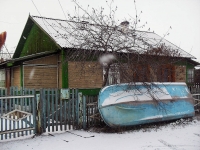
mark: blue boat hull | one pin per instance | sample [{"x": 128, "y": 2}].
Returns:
[{"x": 127, "y": 109}]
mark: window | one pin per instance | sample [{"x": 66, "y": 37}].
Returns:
[
  {"x": 190, "y": 75},
  {"x": 113, "y": 75}
]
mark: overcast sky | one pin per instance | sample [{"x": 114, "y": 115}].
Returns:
[{"x": 182, "y": 15}]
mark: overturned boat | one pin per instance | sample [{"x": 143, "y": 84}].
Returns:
[{"x": 128, "y": 104}]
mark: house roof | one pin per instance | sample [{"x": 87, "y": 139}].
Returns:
[
  {"x": 59, "y": 29},
  {"x": 52, "y": 27}
]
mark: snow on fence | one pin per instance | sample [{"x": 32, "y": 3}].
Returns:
[
  {"x": 26, "y": 112},
  {"x": 17, "y": 113}
]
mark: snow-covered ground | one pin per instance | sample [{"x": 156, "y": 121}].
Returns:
[{"x": 177, "y": 135}]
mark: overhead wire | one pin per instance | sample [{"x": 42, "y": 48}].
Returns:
[{"x": 39, "y": 14}]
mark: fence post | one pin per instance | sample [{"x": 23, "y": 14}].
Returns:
[
  {"x": 80, "y": 109},
  {"x": 38, "y": 121},
  {"x": 40, "y": 113}
]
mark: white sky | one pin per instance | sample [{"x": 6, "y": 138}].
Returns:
[{"x": 182, "y": 15}]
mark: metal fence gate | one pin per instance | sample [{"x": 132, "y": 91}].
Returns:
[{"x": 17, "y": 113}]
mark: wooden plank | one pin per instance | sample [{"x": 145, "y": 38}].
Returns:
[
  {"x": 77, "y": 109},
  {"x": 13, "y": 89},
  {"x": 80, "y": 109},
  {"x": 56, "y": 101},
  {"x": 65, "y": 114},
  {"x": 196, "y": 94},
  {"x": 30, "y": 107},
  {"x": 48, "y": 109},
  {"x": 84, "y": 112},
  {"x": 22, "y": 105},
  {"x": 44, "y": 100},
  {"x": 1, "y": 102},
  {"x": 10, "y": 101},
  {"x": 23, "y": 96},
  {"x": 26, "y": 100},
  {"x": 73, "y": 107},
  {"x": 15, "y": 102},
  {"x": 61, "y": 115},
  {"x": 33, "y": 102},
  {"x": 92, "y": 104},
  {"x": 18, "y": 130},
  {"x": 69, "y": 113},
  {"x": 52, "y": 108},
  {"x": 5, "y": 127},
  {"x": 6, "y": 111}
]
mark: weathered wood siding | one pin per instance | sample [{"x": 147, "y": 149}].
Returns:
[
  {"x": 85, "y": 75},
  {"x": 40, "y": 77},
  {"x": 180, "y": 73},
  {"x": 48, "y": 60},
  {"x": 16, "y": 76},
  {"x": 41, "y": 72}
]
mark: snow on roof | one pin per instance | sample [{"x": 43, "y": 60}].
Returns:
[{"x": 59, "y": 29}]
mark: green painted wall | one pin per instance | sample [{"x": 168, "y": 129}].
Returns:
[
  {"x": 65, "y": 83},
  {"x": 90, "y": 92},
  {"x": 188, "y": 66},
  {"x": 36, "y": 42}
]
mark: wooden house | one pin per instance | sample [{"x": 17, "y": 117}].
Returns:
[{"x": 39, "y": 61}]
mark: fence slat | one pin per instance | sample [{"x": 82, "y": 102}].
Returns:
[
  {"x": 56, "y": 101},
  {"x": 84, "y": 112},
  {"x": 69, "y": 114},
  {"x": 77, "y": 109},
  {"x": 73, "y": 97},
  {"x": 33, "y": 101},
  {"x": 48, "y": 109},
  {"x": 60, "y": 114},
  {"x": 52, "y": 108},
  {"x": 65, "y": 115}
]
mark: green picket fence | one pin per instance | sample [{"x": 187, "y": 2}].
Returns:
[
  {"x": 195, "y": 91},
  {"x": 17, "y": 113},
  {"x": 77, "y": 111},
  {"x": 26, "y": 112}
]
